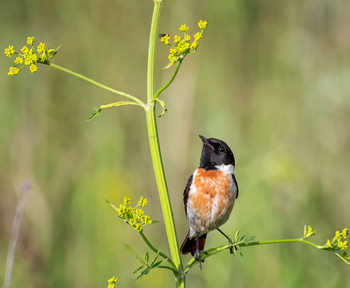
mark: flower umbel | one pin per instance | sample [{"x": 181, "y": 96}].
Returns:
[
  {"x": 13, "y": 71},
  {"x": 165, "y": 39},
  {"x": 126, "y": 200},
  {"x": 28, "y": 57},
  {"x": 182, "y": 44},
  {"x": 134, "y": 216},
  {"x": 41, "y": 48},
  {"x": 142, "y": 202},
  {"x": 202, "y": 24},
  {"x": 30, "y": 41},
  {"x": 18, "y": 60},
  {"x": 183, "y": 28},
  {"x": 9, "y": 51},
  {"x": 338, "y": 244},
  {"x": 33, "y": 68},
  {"x": 111, "y": 282},
  {"x": 308, "y": 231}
]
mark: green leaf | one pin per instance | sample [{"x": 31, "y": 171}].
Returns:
[
  {"x": 55, "y": 52},
  {"x": 111, "y": 105},
  {"x": 146, "y": 257},
  {"x": 155, "y": 259},
  {"x": 250, "y": 238},
  {"x": 138, "y": 269},
  {"x": 237, "y": 236},
  {"x": 153, "y": 265},
  {"x": 112, "y": 205},
  {"x": 138, "y": 257},
  {"x": 144, "y": 272},
  {"x": 159, "y": 263},
  {"x": 162, "y": 103},
  {"x": 93, "y": 115}
]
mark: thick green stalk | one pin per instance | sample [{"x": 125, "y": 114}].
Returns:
[
  {"x": 152, "y": 48},
  {"x": 155, "y": 148},
  {"x": 163, "y": 190}
]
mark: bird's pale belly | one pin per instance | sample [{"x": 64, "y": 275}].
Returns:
[{"x": 210, "y": 200}]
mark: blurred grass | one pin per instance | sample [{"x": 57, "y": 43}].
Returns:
[{"x": 271, "y": 79}]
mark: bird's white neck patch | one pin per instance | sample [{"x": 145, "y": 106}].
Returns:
[{"x": 226, "y": 168}]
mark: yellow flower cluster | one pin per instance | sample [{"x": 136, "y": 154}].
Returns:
[
  {"x": 338, "y": 243},
  {"x": 29, "y": 56},
  {"x": 183, "y": 45},
  {"x": 134, "y": 216},
  {"x": 309, "y": 231},
  {"x": 112, "y": 281}
]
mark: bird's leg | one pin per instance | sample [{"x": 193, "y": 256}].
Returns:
[
  {"x": 197, "y": 255},
  {"x": 229, "y": 241}
]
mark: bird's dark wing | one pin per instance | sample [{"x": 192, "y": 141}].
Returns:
[
  {"x": 235, "y": 181},
  {"x": 187, "y": 190}
]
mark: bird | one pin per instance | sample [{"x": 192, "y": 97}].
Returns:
[{"x": 209, "y": 196}]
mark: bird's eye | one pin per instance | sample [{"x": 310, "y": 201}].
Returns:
[{"x": 221, "y": 149}]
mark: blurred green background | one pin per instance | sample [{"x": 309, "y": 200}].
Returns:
[{"x": 271, "y": 78}]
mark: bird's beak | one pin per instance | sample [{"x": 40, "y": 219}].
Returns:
[{"x": 204, "y": 140}]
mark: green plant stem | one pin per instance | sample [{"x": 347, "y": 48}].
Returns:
[
  {"x": 135, "y": 99},
  {"x": 170, "y": 80},
  {"x": 117, "y": 104},
  {"x": 163, "y": 191},
  {"x": 342, "y": 258},
  {"x": 155, "y": 250},
  {"x": 213, "y": 251},
  {"x": 152, "y": 48},
  {"x": 155, "y": 148}
]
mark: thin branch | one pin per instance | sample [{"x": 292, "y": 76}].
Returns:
[
  {"x": 155, "y": 250},
  {"x": 137, "y": 100},
  {"x": 213, "y": 251},
  {"x": 170, "y": 80}
]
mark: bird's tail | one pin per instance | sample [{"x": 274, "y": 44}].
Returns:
[{"x": 190, "y": 246}]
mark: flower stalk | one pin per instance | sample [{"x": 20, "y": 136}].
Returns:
[
  {"x": 131, "y": 97},
  {"x": 338, "y": 246},
  {"x": 153, "y": 139}
]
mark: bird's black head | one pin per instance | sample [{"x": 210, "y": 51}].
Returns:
[{"x": 215, "y": 153}]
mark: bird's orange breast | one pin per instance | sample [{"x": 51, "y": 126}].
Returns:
[{"x": 211, "y": 198}]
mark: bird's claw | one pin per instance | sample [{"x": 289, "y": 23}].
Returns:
[
  {"x": 197, "y": 256},
  {"x": 232, "y": 246}
]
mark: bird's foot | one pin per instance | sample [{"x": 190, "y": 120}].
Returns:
[
  {"x": 233, "y": 247},
  {"x": 197, "y": 256}
]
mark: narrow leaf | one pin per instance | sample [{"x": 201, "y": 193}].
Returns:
[
  {"x": 237, "y": 235},
  {"x": 117, "y": 104},
  {"x": 144, "y": 272},
  {"x": 158, "y": 263},
  {"x": 138, "y": 257},
  {"x": 146, "y": 257},
  {"x": 112, "y": 205},
  {"x": 94, "y": 114},
  {"x": 138, "y": 269},
  {"x": 162, "y": 103},
  {"x": 154, "y": 260},
  {"x": 111, "y": 105}
]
